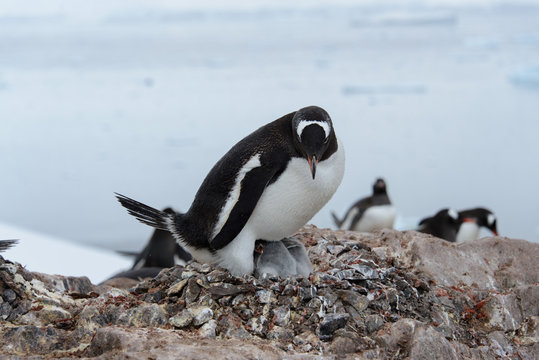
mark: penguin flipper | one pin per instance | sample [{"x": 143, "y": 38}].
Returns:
[
  {"x": 336, "y": 220},
  {"x": 252, "y": 187},
  {"x": 182, "y": 253}
]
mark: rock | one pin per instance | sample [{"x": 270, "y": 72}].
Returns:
[
  {"x": 280, "y": 334},
  {"x": 281, "y": 316},
  {"x": 182, "y": 320},
  {"x": 377, "y": 295},
  {"x": 143, "y": 316},
  {"x": 258, "y": 325},
  {"x": 373, "y": 323},
  {"x": 201, "y": 315},
  {"x": 503, "y": 312},
  {"x": 208, "y": 330},
  {"x": 331, "y": 323},
  {"x": 357, "y": 301}
]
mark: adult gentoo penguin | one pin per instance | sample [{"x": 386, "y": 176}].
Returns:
[
  {"x": 265, "y": 187},
  {"x": 371, "y": 213},
  {"x": 443, "y": 225},
  {"x": 471, "y": 222}
]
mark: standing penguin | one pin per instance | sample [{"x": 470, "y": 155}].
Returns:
[
  {"x": 471, "y": 222},
  {"x": 443, "y": 225},
  {"x": 267, "y": 186},
  {"x": 369, "y": 214}
]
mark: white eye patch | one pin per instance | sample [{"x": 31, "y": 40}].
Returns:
[
  {"x": 452, "y": 213},
  {"x": 490, "y": 219},
  {"x": 304, "y": 123}
]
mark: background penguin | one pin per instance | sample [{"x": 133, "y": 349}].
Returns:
[
  {"x": 471, "y": 222},
  {"x": 267, "y": 186},
  {"x": 162, "y": 251},
  {"x": 371, "y": 213},
  {"x": 443, "y": 225},
  {"x": 6, "y": 244}
]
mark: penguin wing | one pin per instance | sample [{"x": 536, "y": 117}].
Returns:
[
  {"x": 361, "y": 206},
  {"x": 253, "y": 185}
]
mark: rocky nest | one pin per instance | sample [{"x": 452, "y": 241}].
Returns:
[{"x": 384, "y": 295}]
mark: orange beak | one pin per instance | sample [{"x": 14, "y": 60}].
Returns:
[
  {"x": 469, "y": 220},
  {"x": 312, "y": 164}
]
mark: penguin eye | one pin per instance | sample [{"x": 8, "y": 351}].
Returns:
[{"x": 326, "y": 140}]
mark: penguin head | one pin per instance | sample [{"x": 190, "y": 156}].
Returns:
[
  {"x": 487, "y": 219},
  {"x": 482, "y": 217},
  {"x": 312, "y": 131},
  {"x": 379, "y": 186}
]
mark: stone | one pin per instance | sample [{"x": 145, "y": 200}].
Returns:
[
  {"x": 208, "y": 330},
  {"x": 201, "y": 315},
  {"x": 143, "y": 316},
  {"x": 258, "y": 325},
  {"x": 331, "y": 323},
  {"x": 373, "y": 323},
  {"x": 357, "y": 301},
  {"x": 503, "y": 312},
  {"x": 182, "y": 320},
  {"x": 281, "y": 316},
  {"x": 279, "y": 333}
]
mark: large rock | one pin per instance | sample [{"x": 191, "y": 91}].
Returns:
[{"x": 371, "y": 296}]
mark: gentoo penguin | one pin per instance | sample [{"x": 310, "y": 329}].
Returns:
[
  {"x": 443, "y": 225},
  {"x": 267, "y": 186},
  {"x": 369, "y": 214},
  {"x": 282, "y": 258},
  {"x": 471, "y": 222},
  {"x": 162, "y": 251},
  {"x": 6, "y": 244}
]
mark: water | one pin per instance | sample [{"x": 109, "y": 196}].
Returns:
[{"x": 144, "y": 100}]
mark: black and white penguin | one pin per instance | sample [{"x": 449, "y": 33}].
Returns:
[
  {"x": 267, "y": 186},
  {"x": 162, "y": 251},
  {"x": 444, "y": 225},
  {"x": 471, "y": 222},
  {"x": 369, "y": 214},
  {"x": 6, "y": 244}
]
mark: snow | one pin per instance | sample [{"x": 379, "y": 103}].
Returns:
[
  {"x": 50, "y": 255},
  {"x": 142, "y": 98}
]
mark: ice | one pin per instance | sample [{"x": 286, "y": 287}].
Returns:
[
  {"x": 527, "y": 78},
  {"x": 48, "y": 254},
  {"x": 415, "y": 17}
]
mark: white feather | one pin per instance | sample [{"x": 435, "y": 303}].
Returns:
[
  {"x": 234, "y": 194},
  {"x": 468, "y": 231},
  {"x": 304, "y": 123},
  {"x": 377, "y": 218},
  {"x": 284, "y": 207}
]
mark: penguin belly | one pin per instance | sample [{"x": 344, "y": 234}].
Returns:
[
  {"x": 377, "y": 218},
  {"x": 285, "y": 206},
  {"x": 468, "y": 231}
]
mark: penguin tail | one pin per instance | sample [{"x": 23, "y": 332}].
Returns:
[
  {"x": 6, "y": 244},
  {"x": 146, "y": 214},
  {"x": 336, "y": 220}
]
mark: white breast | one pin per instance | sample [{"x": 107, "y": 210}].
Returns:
[
  {"x": 377, "y": 218},
  {"x": 468, "y": 231},
  {"x": 284, "y": 207},
  {"x": 292, "y": 200}
]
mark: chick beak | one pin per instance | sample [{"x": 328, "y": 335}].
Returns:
[
  {"x": 313, "y": 162},
  {"x": 495, "y": 232}
]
